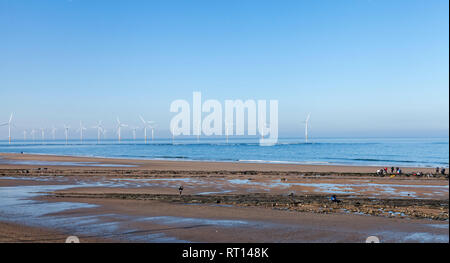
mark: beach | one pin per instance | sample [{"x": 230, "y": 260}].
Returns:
[
  {"x": 15, "y": 160},
  {"x": 131, "y": 200}
]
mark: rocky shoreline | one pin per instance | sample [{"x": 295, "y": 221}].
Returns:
[
  {"x": 140, "y": 173},
  {"x": 398, "y": 208}
]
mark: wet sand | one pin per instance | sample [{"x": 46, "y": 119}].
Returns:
[
  {"x": 188, "y": 166},
  {"x": 18, "y": 233},
  {"x": 138, "y": 201}
]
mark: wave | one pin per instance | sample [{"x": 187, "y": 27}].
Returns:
[
  {"x": 285, "y": 162},
  {"x": 171, "y": 157},
  {"x": 386, "y": 160}
]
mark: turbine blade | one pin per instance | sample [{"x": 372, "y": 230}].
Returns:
[{"x": 142, "y": 119}]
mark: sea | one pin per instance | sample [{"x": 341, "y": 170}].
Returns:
[{"x": 379, "y": 152}]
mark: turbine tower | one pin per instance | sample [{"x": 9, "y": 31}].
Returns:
[
  {"x": 99, "y": 128},
  {"x": 54, "y": 133},
  {"x": 149, "y": 124},
  {"x": 43, "y": 134},
  {"x": 9, "y": 123},
  {"x": 119, "y": 126},
  {"x": 306, "y": 127},
  {"x": 81, "y": 131},
  {"x": 24, "y": 135},
  {"x": 153, "y": 131},
  {"x": 66, "y": 132}
]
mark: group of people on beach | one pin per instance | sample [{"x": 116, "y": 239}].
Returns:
[
  {"x": 394, "y": 170},
  {"x": 397, "y": 170},
  {"x": 442, "y": 170}
]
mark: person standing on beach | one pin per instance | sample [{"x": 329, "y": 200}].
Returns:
[
  {"x": 392, "y": 169},
  {"x": 180, "y": 189},
  {"x": 437, "y": 170}
]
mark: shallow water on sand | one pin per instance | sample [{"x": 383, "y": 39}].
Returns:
[{"x": 18, "y": 206}]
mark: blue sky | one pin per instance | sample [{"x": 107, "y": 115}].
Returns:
[{"x": 363, "y": 68}]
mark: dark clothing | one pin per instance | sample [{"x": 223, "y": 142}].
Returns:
[{"x": 334, "y": 199}]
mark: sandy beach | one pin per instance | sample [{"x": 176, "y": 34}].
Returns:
[
  {"x": 109, "y": 163},
  {"x": 120, "y": 200}
]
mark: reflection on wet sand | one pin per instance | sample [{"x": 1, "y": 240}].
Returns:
[{"x": 29, "y": 205}]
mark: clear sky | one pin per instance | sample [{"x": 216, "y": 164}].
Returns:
[{"x": 362, "y": 68}]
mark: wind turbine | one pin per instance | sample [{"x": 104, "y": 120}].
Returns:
[
  {"x": 306, "y": 127},
  {"x": 9, "y": 123},
  {"x": 119, "y": 126},
  {"x": 81, "y": 131},
  {"x": 54, "y": 133},
  {"x": 153, "y": 131},
  {"x": 24, "y": 135},
  {"x": 43, "y": 134},
  {"x": 66, "y": 132},
  {"x": 148, "y": 124},
  {"x": 99, "y": 128}
]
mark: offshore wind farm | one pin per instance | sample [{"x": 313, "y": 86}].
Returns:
[{"x": 135, "y": 142}]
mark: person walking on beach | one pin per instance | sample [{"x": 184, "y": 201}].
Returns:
[
  {"x": 443, "y": 171},
  {"x": 180, "y": 189},
  {"x": 437, "y": 170},
  {"x": 392, "y": 169}
]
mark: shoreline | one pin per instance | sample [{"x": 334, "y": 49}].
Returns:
[
  {"x": 183, "y": 159},
  {"x": 48, "y": 160}
]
